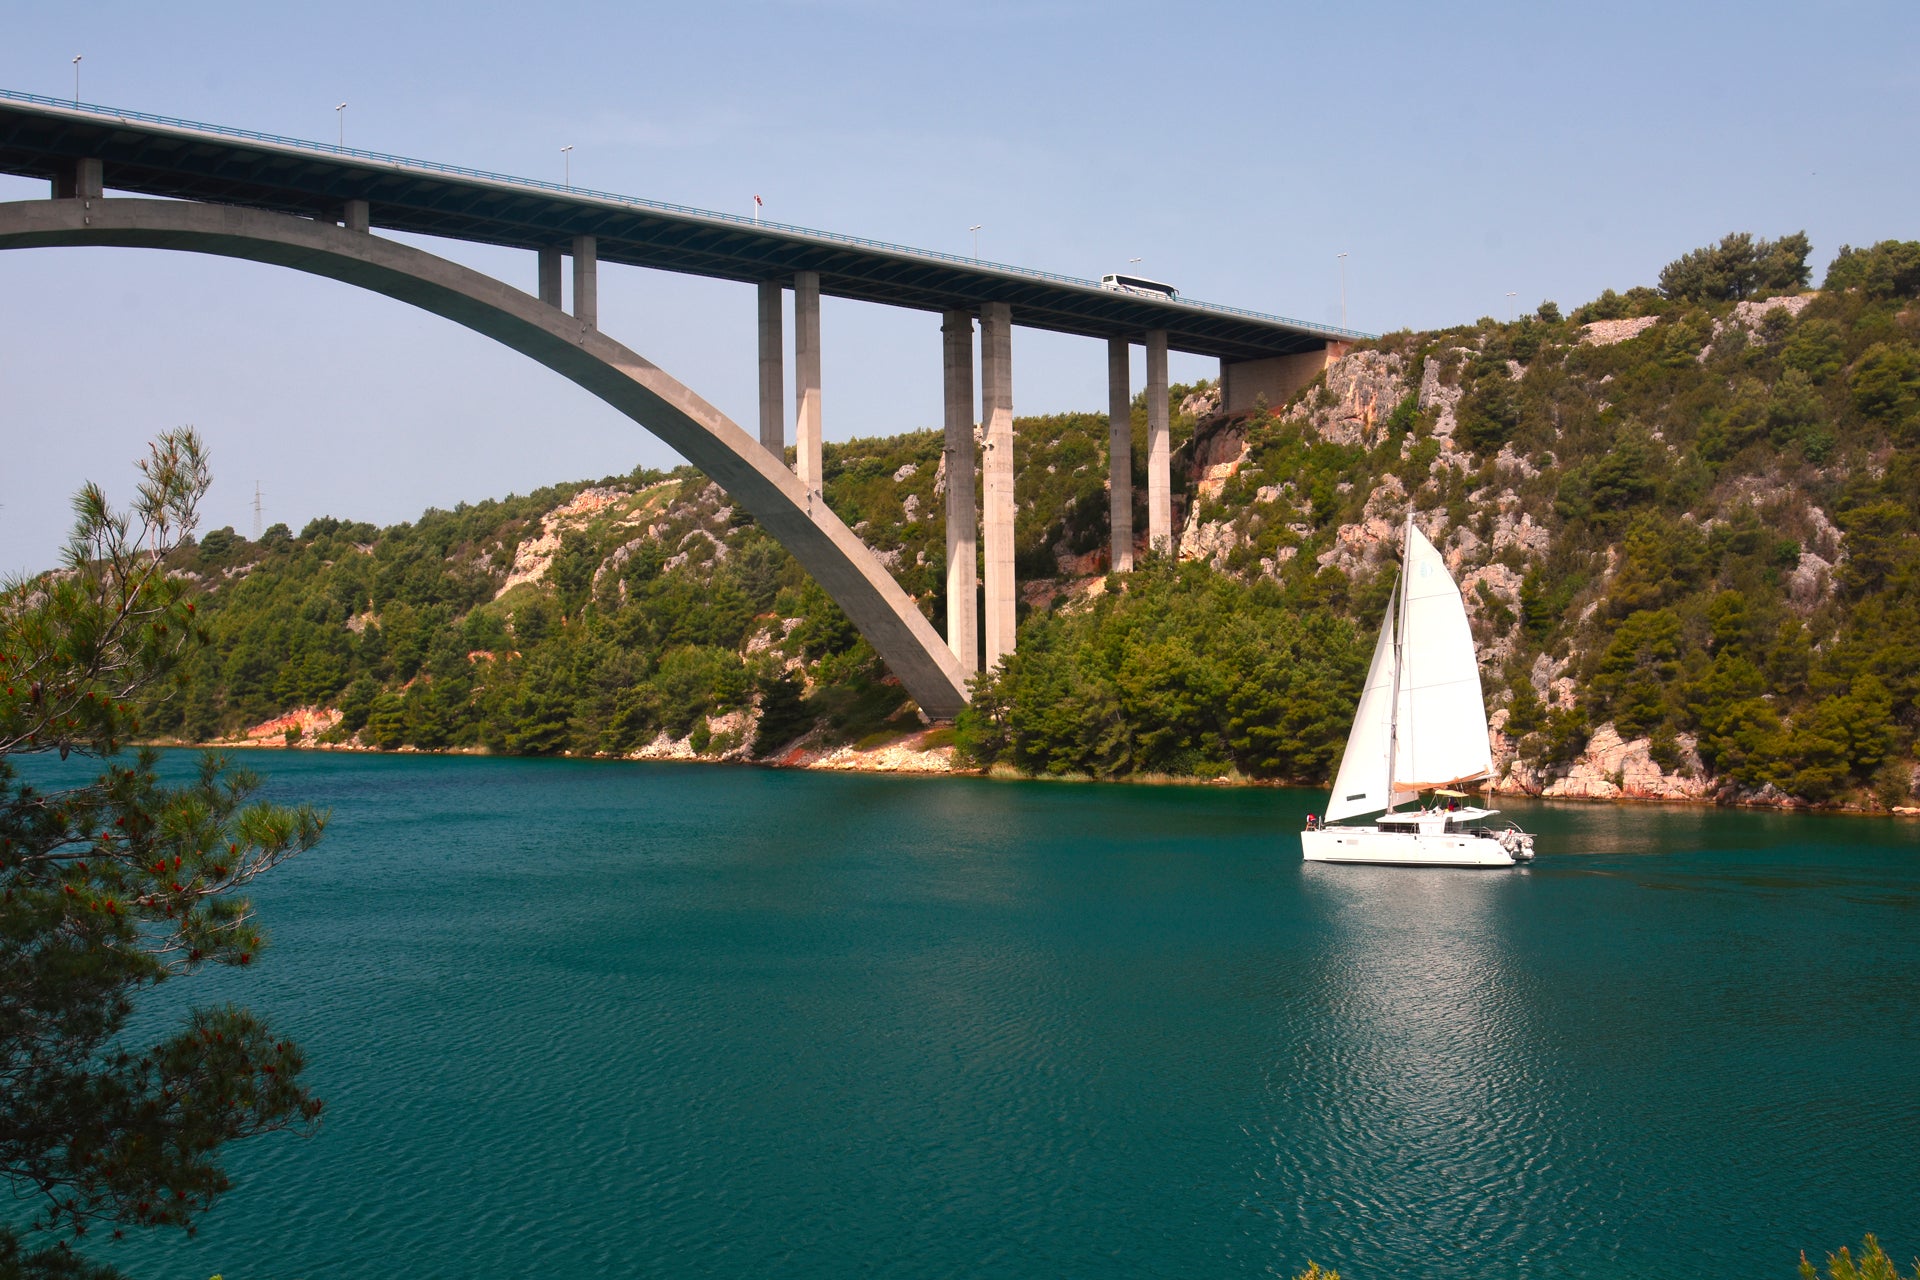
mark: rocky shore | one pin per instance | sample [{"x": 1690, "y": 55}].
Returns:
[{"x": 1610, "y": 769}]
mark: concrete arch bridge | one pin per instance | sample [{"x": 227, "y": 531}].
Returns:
[{"x": 312, "y": 207}]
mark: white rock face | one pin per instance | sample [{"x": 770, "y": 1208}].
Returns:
[
  {"x": 1436, "y": 394},
  {"x": 1604, "y": 333},
  {"x": 1212, "y": 541},
  {"x": 1375, "y": 539},
  {"x": 1503, "y": 584},
  {"x": 1608, "y": 769},
  {"x": 1810, "y": 583},
  {"x": 1201, "y": 404},
  {"x": 1365, "y": 387},
  {"x": 534, "y": 556}
]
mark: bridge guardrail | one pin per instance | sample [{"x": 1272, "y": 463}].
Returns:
[{"x": 638, "y": 202}]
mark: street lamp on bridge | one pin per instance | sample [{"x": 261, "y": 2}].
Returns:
[
  {"x": 340, "y": 113},
  {"x": 975, "y": 228},
  {"x": 566, "y": 159},
  {"x": 76, "y": 79}
]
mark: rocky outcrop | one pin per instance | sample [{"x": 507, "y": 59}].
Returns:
[
  {"x": 1211, "y": 541},
  {"x": 1201, "y": 404},
  {"x": 1358, "y": 393},
  {"x": 534, "y": 556},
  {"x": 1609, "y": 769},
  {"x": 910, "y": 754},
  {"x": 1604, "y": 333},
  {"x": 1214, "y": 456},
  {"x": 1750, "y": 318},
  {"x": 1438, "y": 394},
  {"x": 1810, "y": 583},
  {"x": 303, "y": 723}
]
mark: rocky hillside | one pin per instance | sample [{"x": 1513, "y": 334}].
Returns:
[
  {"x": 1684, "y": 519},
  {"x": 1686, "y": 538}
]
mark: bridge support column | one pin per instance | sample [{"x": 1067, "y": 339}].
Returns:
[
  {"x": 586, "y": 281},
  {"x": 1159, "y": 452},
  {"x": 806, "y": 380},
  {"x": 79, "y": 180},
  {"x": 773, "y": 376},
  {"x": 358, "y": 216},
  {"x": 996, "y": 408},
  {"x": 1120, "y": 453},
  {"x": 550, "y": 277},
  {"x": 963, "y": 581}
]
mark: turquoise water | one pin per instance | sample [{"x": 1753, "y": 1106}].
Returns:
[{"x": 622, "y": 1020}]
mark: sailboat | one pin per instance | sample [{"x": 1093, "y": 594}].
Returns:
[{"x": 1421, "y": 726}]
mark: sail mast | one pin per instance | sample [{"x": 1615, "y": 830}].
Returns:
[{"x": 1399, "y": 638}]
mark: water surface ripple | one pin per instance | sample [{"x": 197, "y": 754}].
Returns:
[{"x": 619, "y": 1020}]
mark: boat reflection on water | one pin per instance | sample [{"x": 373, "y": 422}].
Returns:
[{"x": 1411, "y": 1093}]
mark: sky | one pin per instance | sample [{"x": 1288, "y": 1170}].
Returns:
[{"x": 1455, "y": 153}]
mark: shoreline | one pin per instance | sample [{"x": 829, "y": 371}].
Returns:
[{"x": 898, "y": 759}]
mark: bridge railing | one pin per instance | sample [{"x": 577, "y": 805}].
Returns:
[{"x": 638, "y": 202}]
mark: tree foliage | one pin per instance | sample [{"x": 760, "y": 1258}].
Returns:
[
  {"x": 114, "y": 886},
  {"x": 1738, "y": 267},
  {"x": 1187, "y": 673},
  {"x": 1873, "y": 1264},
  {"x": 1890, "y": 269}
]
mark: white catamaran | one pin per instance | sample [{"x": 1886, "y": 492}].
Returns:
[{"x": 1421, "y": 726}]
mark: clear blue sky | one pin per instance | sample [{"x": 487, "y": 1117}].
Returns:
[{"x": 1454, "y": 151}]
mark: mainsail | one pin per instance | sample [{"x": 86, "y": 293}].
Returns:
[{"x": 1422, "y": 703}]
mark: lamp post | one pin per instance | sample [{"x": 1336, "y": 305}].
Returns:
[
  {"x": 1510, "y": 297},
  {"x": 76, "y": 79},
  {"x": 566, "y": 160},
  {"x": 1343, "y": 288},
  {"x": 975, "y": 228},
  {"x": 340, "y": 113}
]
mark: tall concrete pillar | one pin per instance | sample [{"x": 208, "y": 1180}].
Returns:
[
  {"x": 773, "y": 374},
  {"x": 996, "y": 408},
  {"x": 1120, "y": 452},
  {"x": 586, "y": 286},
  {"x": 358, "y": 216},
  {"x": 550, "y": 277},
  {"x": 1159, "y": 477},
  {"x": 806, "y": 379},
  {"x": 79, "y": 180},
  {"x": 963, "y": 513}
]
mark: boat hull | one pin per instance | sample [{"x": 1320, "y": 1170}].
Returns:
[{"x": 1405, "y": 848}]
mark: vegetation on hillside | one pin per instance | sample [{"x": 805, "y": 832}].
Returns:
[{"x": 1698, "y": 525}]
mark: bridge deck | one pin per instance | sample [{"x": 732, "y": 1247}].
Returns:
[{"x": 158, "y": 156}]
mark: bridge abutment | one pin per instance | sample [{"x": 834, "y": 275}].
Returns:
[
  {"x": 1245, "y": 383},
  {"x": 963, "y": 581}
]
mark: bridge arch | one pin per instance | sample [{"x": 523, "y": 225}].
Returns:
[{"x": 751, "y": 474}]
